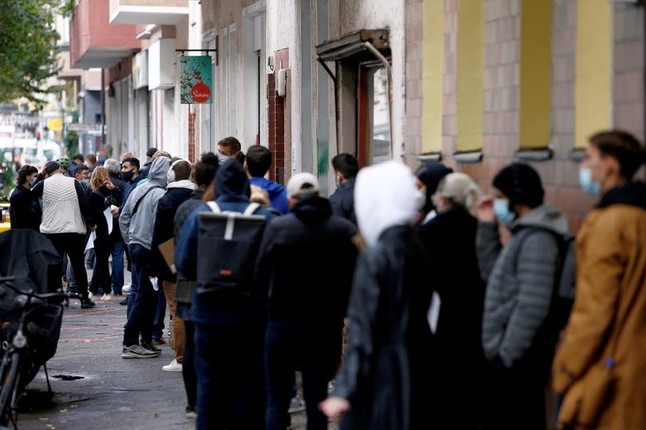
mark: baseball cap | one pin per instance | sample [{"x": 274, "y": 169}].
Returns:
[
  {"x": 302, "y": 184},
  {"x": 151, "y": 152}
]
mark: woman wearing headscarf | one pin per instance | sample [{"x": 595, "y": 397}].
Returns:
[
  {"x": 384, "y": 382},
  {"x": 427, "y": 178},
  {"x": 458, "y": 363}
]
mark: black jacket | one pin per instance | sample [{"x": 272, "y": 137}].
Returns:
[
  {"x": 25, "y": 211},
  {"x": 385, "y": 374},
  {"x": 458, "y": 361},
  {"x": 305, "y": 262},
  {"x": 99, "y": 201},
  {"x": 164, "y": 227},
  {"x": 342, "y": 201}
]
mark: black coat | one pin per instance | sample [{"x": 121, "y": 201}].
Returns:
[
  {"x": 164, "y": 227},
  {"x": 305, "y": 262},
  {"x": 385, "y": 373},
  {"x": 458, "y": 361},
  {"x": 25, "y": 211},
  {"x": 342, "y": 201},
  {"x": 99, "y": 201}
]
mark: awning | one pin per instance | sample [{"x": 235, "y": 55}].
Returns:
[{"x": 352, "y": 46}]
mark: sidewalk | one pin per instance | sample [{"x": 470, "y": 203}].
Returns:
[{"x": 95, "y": 388}]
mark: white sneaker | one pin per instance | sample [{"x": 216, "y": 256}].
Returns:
[
  {"x": 174, "y": 366},
  {"x": 105, "y": 297},
  {"x": 126, "y": 289}
]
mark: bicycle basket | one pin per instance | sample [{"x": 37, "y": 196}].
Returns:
[{"x": 43, "y": 326}]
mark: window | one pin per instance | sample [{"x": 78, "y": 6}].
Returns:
[{"x": 374, "y": 117}]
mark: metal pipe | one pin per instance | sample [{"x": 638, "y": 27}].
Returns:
[
  {"x": 386, "y": 64},
  {"x": 336, "y": 102}
]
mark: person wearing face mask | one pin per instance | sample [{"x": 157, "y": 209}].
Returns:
[
  {"x": 82, "y": 174},
  {"x": 427, "y": 177},
  {"x": 130, "y": 175},
  {"x": 599, "y": 367},
  {"x": 230, "y": 147},
  {"x": 521, "y": 277},
  {"x": 385, "y": 381},
  {"x": 24, "y": 210}
]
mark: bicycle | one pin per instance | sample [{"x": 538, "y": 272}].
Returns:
[{"x": 29, "y": 341}]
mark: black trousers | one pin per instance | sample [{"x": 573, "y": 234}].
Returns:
[{"x": 73, "y": 245}]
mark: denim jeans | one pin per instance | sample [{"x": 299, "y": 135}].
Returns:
[
  {"x": 160, "y": 312},
  {"x": 117, "y": 266},
  {"x": 316, "y": 351},
  {"x": 142, "y": 304},
  {"x": 228, "y": 362}
]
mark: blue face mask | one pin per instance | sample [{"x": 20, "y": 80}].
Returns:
[
  {"x": 588, "y": 184},
  {"x": 502, "y": 212}
]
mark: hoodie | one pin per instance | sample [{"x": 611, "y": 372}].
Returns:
[
  {"x": 137, "y": 228},
  {"x": 520, "y": 281},
  {"x": 276, "y": 191},
  {"x": 385, "y": 196}
]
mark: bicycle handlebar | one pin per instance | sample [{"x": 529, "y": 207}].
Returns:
[{"x": 6, "y": 280}]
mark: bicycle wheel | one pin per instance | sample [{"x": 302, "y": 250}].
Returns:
[{"x": 9, "y": 374}]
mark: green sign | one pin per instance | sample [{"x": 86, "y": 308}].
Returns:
[{"x": 196, "y": 79}]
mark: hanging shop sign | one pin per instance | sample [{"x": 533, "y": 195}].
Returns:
[{"x": 196, "y": 76}]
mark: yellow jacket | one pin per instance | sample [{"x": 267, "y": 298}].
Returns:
[{"x": 600, "y": 367}]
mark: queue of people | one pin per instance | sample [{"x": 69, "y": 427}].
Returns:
[{"x": 451, "y": 299}]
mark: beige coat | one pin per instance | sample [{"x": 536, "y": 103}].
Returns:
[{"x": 601, "y": 365}]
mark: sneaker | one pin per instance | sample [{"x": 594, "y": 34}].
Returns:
[
  {"x": 87, "y": 304},
  {"x": 174, "y": 366},
  {"x": 105, "y": 297},
  {"x": 136, "y": 351},
  {"x": 126, "y": 289},
  {"x": 191, "y": 412},
  {"x": 150, "y": 347}
]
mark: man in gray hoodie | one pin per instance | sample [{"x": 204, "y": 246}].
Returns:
[
  {"x": 136, "y": 222},
  {"x": 521, "y": 273}
]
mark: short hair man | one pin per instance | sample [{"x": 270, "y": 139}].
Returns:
[
  {"x": 345, "y": 168},
  {"x": 66, "y": 220},
  {"x": 257, "y": 162},
  {"x": 305, "y": 318},
  {"x": 229, "y": 147}
]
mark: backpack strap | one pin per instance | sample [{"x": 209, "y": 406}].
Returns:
[
  {"x": 214, "y": 207},
  {"x": 251, "y": 209}
]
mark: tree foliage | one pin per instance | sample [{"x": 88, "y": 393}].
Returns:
[{"x": 27, "y": 43}]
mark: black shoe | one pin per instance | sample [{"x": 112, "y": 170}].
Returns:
[
  {"x": 191, "y": 412},
  {"x": 87, "y": 304},
  {"x": 159, "y": 341},
  {"x": 149, "y": 346},
  {"x": 124, "y": 302}
]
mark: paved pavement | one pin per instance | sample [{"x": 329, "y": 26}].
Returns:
[{"x": 95, "y": 388}]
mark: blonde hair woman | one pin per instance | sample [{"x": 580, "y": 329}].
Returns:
[{"x": 102, "y": 201}]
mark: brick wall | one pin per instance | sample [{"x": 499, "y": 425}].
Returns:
[
  {"x": 278, "y": 116},
  {"x": 629, "y": 69},
  {"x": 414, "y": 84}
]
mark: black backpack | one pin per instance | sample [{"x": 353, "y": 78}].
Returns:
[{"x": 227, "y": 247}]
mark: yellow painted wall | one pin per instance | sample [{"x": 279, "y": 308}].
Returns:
[
  {"x": 469, "y": 75},
  {"x": 593, "y": 85},
  {"x": 433, "y": 67},
  {"x": 535, "y": 73}
]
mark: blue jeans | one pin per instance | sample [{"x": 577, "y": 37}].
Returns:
[
  {"x": 160, "y": 312},
  {"x": 230, "y": 383},
  {"x": 316, "y": 350},
  {"x": 142, "y": 311},
  {"x": 117, "y": 267}
]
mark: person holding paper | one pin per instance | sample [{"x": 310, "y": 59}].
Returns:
[
  {"x": 455, "y": 315},
  {"x": 104, "y": 210}
]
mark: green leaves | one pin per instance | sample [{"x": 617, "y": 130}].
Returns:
[{"x": 27, "y": 47}]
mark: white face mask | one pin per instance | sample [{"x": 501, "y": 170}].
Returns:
[{"x": 222, "y": 159}]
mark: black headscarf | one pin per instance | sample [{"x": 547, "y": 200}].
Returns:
[{"x": 431, "y": 173}]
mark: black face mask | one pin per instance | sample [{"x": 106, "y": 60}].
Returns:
[{"x": 127, "y": 176}]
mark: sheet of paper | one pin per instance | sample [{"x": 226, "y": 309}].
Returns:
[
  {"x": 90, "y": 242},
  {"x": 434, "y": 312},
  {"x": 109, "y": 219}
]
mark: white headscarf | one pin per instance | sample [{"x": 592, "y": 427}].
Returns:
[{"x": 385, "y": 195}]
